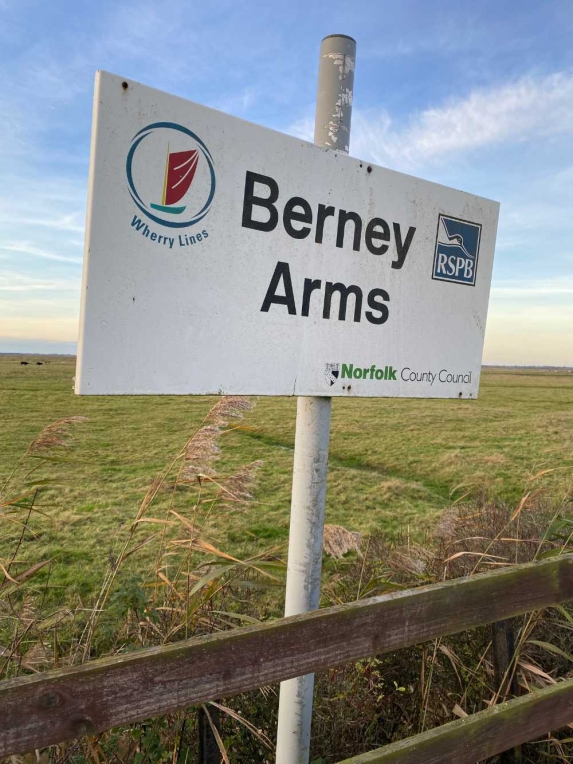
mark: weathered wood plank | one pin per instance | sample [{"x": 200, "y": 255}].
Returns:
[
  {"x": 38, "y": 710},
  {"x": 503, "y": 649},
  {"x": 467, "y": 741}
]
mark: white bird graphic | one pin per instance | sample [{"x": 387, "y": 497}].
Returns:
[{"x": 453, "y": 240}]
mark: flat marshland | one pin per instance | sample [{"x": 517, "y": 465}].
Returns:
[
  {"x": 137, "y": 521},
  {"x": 395, "y": 465}
]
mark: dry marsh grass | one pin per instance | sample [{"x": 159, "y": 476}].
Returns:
[
  {"x": 189, "y": 587},
  {"x": 386, "y": 698}
]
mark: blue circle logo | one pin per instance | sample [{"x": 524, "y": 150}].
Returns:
[{"x": 170, "y": 174}]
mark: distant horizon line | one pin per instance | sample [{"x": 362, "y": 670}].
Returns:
[{"x": 484, "y": 365}]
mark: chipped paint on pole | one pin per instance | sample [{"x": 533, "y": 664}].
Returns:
[
  {"x": 331, "y": 131},
  {"x": 335, "y": 93}
]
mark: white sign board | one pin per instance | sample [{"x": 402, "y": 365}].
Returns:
[{"x": 224, "y": 257}]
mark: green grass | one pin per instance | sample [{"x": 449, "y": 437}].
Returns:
[{"x": 393, "y": 463}]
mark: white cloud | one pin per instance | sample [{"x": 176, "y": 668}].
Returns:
[{"x": 515, "y": 111}]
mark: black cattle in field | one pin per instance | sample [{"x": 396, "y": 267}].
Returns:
[
  {"x": 39, "y": 363},
  {"x": 23, "y": 363}
]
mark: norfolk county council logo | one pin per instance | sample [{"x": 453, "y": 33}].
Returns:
[
  {"x": 331, "y": 372},
  {"x": 457, "y": 250},
  {"x": 170, "y": 174}
]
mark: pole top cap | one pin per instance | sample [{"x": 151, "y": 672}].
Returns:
[{"x": 346, "y": 36}]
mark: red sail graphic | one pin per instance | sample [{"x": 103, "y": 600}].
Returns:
[{"x": 181, "y": 168}]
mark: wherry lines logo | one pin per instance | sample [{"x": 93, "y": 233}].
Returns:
[{"x": 170, "y": 174}]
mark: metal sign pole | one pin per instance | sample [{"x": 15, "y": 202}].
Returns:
[{"x": 332, "y": 131}]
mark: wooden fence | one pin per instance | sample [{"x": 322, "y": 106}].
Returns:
[{"x": 38, "y": 710}]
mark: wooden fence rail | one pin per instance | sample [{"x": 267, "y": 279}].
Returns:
[
  {"x": 38, "y": 710},
  {"x": 484, "y": 734}
]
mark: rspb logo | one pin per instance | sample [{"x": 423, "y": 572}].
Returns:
[{"x": 457, "y": 251}]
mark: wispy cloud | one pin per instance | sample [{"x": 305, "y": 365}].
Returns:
[
  {"x": 236, "y": 103},
  {"x": 302, "y": 128},
  {"x": 13, "y": 281},
  {"x": 513, "y": 111},
  {"x": 73, "y": 222},
  {"x": 528, "y": 289},
  {"x": 27, "y": 249}
]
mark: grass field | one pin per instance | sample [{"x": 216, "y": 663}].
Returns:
[{"x": 393, "y": 463}]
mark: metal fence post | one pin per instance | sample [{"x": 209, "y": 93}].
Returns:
[
  {"x": 331, "y": 130},
  {"x": 209, "y": 752}
]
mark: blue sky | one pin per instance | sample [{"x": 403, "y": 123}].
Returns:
[{"x": 474, "y": 95}]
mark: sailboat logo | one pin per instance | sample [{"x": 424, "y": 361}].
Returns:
[
  {"x": 176, "y": 191},
  {"x": 180, "y": 169}
]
